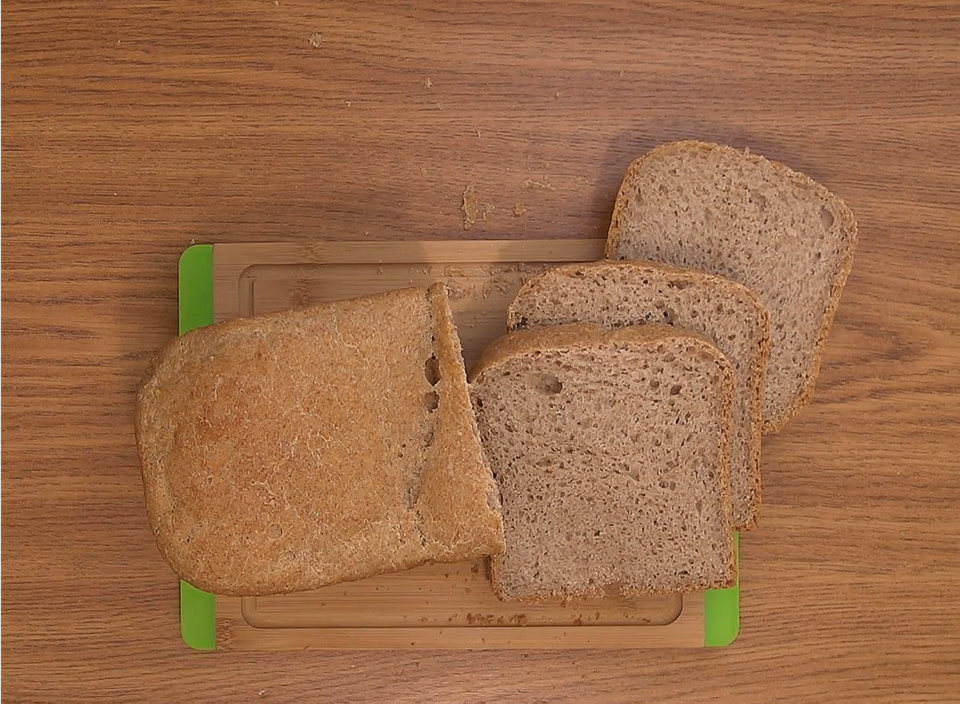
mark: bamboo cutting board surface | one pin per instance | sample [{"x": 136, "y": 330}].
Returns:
[{"x": 442, "y": 605}]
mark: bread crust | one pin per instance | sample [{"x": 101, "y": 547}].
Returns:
[
  {"x": 841, "y": 269},
  {"x": 288, "y": 451}
]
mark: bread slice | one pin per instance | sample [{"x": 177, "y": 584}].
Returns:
[
  {"x": 733, "y": 213},
  {"x": 609, "y": 447},
  {"x": 613, "y": 294},
  {"x": 290, "y": 451}
]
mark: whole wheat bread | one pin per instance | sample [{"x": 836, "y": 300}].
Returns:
[
  {"x": 609, "y": 448},
  {"x": 613, "y": 294},
  {"x": 754, "y": 221},
  {"x": 290, "y": 451}
]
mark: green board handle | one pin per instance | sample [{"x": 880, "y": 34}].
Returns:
[{"x": 197, "y": 608}]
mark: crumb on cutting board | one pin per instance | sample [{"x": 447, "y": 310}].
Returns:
[
  {"x": 315, "y": 39},
  {"x": 542, "y": 185},
  {"x": 519, "y": 209}
]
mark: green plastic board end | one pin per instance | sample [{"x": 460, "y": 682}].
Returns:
[
  {"x": 196, "y": 287},
  {"x": 197, "y": 621},
  {"x": 721, "y": 611},
  {"x": 197, "y": 608}
]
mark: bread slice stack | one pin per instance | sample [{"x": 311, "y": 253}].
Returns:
[
  {"x": 612, "y": 455},
  {"x": 614, "y": 294}
]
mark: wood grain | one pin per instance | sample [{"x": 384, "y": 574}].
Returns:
[{"x": 132, "y": 128}]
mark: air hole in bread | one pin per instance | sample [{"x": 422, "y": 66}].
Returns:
[
  {"x": 431, "y": 370},
  {"x": 547, "y": 384},
  {"x": 274, "y": 532},
  {"x": 675, "y": 389},
  {"x": 826, "y": 218},
  {"x": 432, "y": 400}
]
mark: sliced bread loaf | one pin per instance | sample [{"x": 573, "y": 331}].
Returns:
[
  {"x": 289, "y": 451},
  {"x": 754, "y": 221},
  {"x": 614, "y": 294},
  {"x": 609, "y": 447}
]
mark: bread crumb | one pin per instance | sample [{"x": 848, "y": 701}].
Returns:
[
  {"x": 621, "y": 73},
  {"x": 439, "y": 107},
  {"x": 348, "y": 103},
  {"x": 519, "y": 209},
  {"x": 427, "y": 83},
  {"x": 477, "y": 130},
  {"x": 315, "y": 40},
  {"x": 542, "y": 185},
  {"x": 486, "y": 210},
  {"x": 556, "y": 96},
  {"x": 469, "y": 206}
]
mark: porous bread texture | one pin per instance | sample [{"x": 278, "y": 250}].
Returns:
[
  {"x": 289, "y": 451},
  {"x": 614, "y": 294},
  {"x": 754, "y": 221},
  {"x": 609, "y": 448}
]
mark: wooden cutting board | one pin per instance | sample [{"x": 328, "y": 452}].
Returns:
[{"x": 432, "y": 606}]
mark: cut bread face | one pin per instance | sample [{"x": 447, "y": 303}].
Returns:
[
  {"x": 289, "y": 451},
  {"x": 609, "y": 448},
  {"x": 754, "y": 221},
  {"x": 615, "y": 294}
]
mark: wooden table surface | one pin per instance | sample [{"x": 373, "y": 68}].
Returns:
[{"x": 132, "y": 129}]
